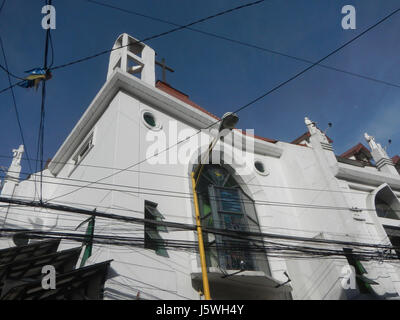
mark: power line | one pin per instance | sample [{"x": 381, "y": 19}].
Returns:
[
  {"x": 11, "y": 86},
  {"x": 15, "y": 105},
  {"x": 52, "y": 50},
  {"x": 182, "y": 195},
  {"x": 252, "y": 101},
  {"x": 257, "y": 203},
  {"x": 13, "y": 97},
  {"x": 141, "y": 212},
  {"x": 225, "y": 38},
  {"x": 189, "y": 227},
  {"x": 318, "y": 62},
  {"x": 166, "y": 175},
  {"x": 233, "y": 246},
  {"x": 268, "y": 247},
  {"x": 246, "y": 44},
  {"x": 42, "y": 108},
  {"x": 160, "y": 34},
  {"x": 186, "y": 195},
  {"x": 5, "y": 69},
  {"x": 97, "y": 206}
]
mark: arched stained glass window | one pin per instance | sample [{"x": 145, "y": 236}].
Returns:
[{"x": 223, "y": 204}]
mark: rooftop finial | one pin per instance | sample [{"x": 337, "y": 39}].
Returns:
[
  {"x": 382, "y": 160},
  {"x": 310, "y": 125},
  {"x": 314, "y": 131},
  {"x": 371, "y": 142},
  {"x": 17, "y": 155}
]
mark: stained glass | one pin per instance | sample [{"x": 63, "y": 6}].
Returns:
[
  {"x": 217, "y": 175},
  {"x": 234, "y": 222},
  {"x": 223, "y": 204},
  {"x": 229, "y": 200}
]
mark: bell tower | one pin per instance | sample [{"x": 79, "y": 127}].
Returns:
[{"x": 134, "y": 57}]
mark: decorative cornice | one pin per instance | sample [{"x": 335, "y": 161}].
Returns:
[
  {"x": 384, "y": 161},
  {"x": 122, "y": 81},
  {"x": 326, "y": 146},
  {"x": 363, "y": 176}
]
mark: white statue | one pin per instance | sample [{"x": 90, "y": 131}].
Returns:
[
  {"x": 313, "y": 129},
  {"x": 375, "y": 146},
  {"x": 371, "y": 141},
  {"x": 17, "y": 155},
  {"x": 311, "y": 125}
]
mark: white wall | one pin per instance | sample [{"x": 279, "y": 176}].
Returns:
[{"x": 302, "y": 175}]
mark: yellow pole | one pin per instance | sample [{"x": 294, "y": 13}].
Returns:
[{"x": 206, "y": 287}]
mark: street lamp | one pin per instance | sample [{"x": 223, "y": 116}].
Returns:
[{"x": 228, "y": 122}]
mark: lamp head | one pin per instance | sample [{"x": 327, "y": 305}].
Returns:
[{"x": 229, "y": 121}]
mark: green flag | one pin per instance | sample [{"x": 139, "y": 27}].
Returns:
[{"x": 88, "y": 240}]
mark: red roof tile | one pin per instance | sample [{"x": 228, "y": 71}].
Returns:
[
  {"x": 305, "y": 136},
  {"x": 257, "y": 137},
  {"x": 396, "y": 159},
  {"x": 356, "y": 149},
  {"x": 181, "y": 96},
  {"x": 185, "y": 98}
]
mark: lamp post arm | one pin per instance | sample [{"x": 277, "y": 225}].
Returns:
[{"x": 199, "y": 168}]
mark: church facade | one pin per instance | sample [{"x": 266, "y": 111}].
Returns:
[{"x": 309, "y": 214}]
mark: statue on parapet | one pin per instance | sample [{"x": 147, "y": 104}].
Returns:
[
  {"x": 313, "y": 129},
  {"x": 17, "y": 155},
  {"x": 375, "y": 146}
]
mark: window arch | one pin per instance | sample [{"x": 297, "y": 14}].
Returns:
[
  {"x": 224, "y": 205},
  {"x": 386, "y": 204}
]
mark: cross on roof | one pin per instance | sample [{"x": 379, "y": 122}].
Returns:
[{"x": 165, "y": 68}]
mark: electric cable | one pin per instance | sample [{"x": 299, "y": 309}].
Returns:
[
  {"x": 191, "y": 246},
  {"x": 189, "y": 227},
  {"x": 160, "y": 34},
  {"x": 252, "y": 101},
  {"x": 246, "y": 44},
  {"x": 42, "y": 108},
  {"x": 167, "y": 175},
  {"x": 15, "y": 102}
]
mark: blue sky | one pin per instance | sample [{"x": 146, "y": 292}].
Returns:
[{"x": 218, "y": 75}]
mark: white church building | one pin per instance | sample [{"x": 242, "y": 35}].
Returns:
[{"x": 132, "y": 154}]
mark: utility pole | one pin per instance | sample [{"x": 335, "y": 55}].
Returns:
[
  {"x": 228, "y": 122},
  {"x": 42, "y": 113}
]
